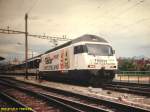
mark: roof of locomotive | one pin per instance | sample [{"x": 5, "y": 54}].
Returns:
[
  {"x": 91, "y": 38},
  {"x": 87, "y": 37}
]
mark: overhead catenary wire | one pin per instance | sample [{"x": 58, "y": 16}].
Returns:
[
  {"x": 9, "y": 31},
  {"x": 32, "y": 7},
  {"x": 28, "y": 11},
  {"x": 121, "y": 12}
]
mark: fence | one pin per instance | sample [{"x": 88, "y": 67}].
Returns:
[{"x": 134, "y": 76}]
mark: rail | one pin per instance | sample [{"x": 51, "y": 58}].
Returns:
[
  {"x": 83, "y": 98},
  {"x": 16, "y": 105},
  {"x": 71, "y": 106},
  {"x": 131, "y": 88}
]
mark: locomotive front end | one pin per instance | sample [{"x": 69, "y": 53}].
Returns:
[{"x": 101, "y": 62}]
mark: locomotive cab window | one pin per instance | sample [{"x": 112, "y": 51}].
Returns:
[
  {"x": 80, "y": 49},
  {"x": 99, "y": 49}
]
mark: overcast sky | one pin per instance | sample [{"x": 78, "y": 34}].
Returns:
[{"x": 124, "y": 23}]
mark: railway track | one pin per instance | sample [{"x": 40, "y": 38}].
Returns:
[
  {"x": 78, "y": 102},
  {"x": 10, "y": 104},
  {"x": 140, "y": 89},
  {"x": 38, "y": 101}
]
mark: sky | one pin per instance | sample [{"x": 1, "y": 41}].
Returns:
[{"x": 124, "y": 23}]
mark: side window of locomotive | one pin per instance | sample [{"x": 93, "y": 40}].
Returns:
[{"x": 79, "y": 49}]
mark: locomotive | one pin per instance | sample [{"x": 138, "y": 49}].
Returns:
[{"x": 88, "y": 58}]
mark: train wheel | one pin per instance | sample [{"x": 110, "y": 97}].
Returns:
[
  {"x": 94, "y": 81},
  {"x": 110, "y": 78},
  {"x": 39, "y": 75}
]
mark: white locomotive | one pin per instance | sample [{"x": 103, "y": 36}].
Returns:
[{"x": 87, "y": 58}]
